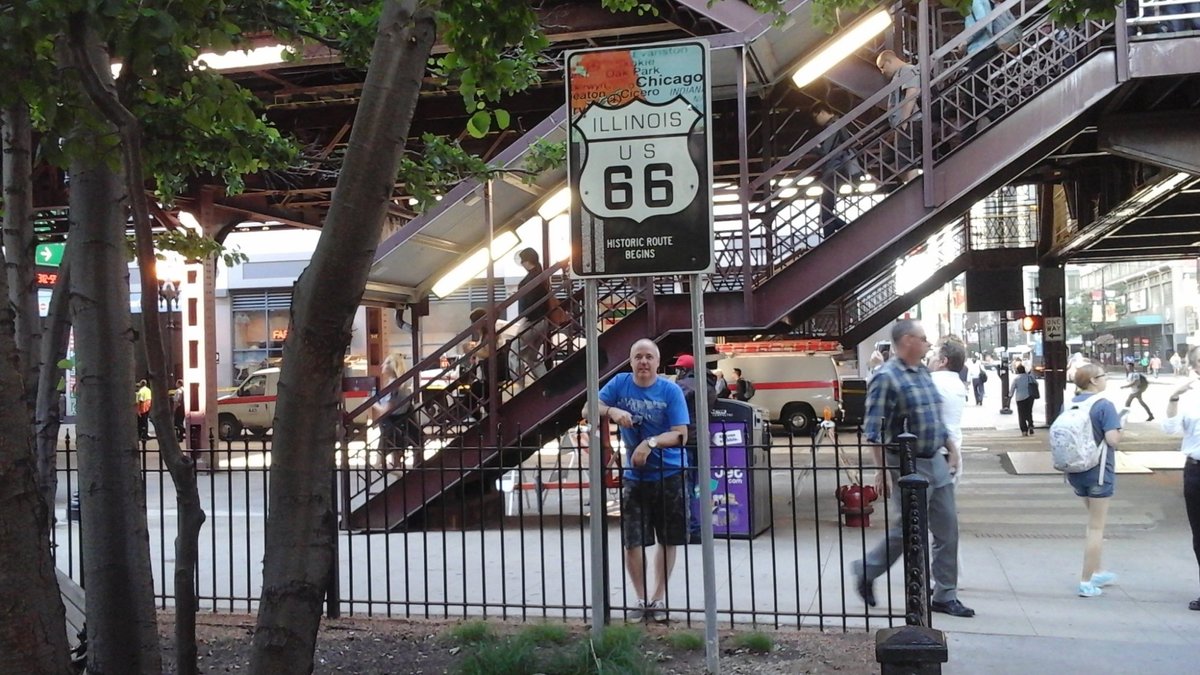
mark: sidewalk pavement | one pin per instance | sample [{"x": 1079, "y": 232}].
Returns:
[{"x": 1022, "y": 583}]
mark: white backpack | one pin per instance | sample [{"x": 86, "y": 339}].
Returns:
[{"x": 1072, "y": 445}]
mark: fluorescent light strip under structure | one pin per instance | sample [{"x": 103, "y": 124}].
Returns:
[
  {"x": 841, "y": 46},
  {"x": 474, "y": 264}
]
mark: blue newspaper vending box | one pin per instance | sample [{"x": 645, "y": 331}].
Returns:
[{"x": 739, "y": 443}]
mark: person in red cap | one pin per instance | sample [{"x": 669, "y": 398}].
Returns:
[{"x": 685, "y": 377}]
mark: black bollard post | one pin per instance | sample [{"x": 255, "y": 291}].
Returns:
[{"x": 915, "y": 648}]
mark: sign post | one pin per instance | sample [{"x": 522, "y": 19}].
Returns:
[{"x": 639, "y": 167}]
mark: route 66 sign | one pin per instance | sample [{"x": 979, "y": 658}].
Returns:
[
  {"x": 639, "y": 160},
  {"x": 629, "y": 158}
]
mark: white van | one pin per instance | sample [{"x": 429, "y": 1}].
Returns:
[{"x": 795, "y": 389}]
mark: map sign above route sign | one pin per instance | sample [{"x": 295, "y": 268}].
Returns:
[{"x": 640, "y": 160}]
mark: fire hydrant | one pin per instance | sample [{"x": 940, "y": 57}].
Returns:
[{"x": 854, "y": 503}]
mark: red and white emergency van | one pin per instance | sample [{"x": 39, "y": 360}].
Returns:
[
  {"x": 795, "y": 381},
  {"x": 252, "y": 406}
]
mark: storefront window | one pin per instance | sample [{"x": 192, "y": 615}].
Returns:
[{"x": 260, "y": 326}]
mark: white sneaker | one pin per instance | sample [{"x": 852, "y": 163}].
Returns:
[
  {"x": 1103, "y": 579},
  {"x": 658, "y": 612},
  {"x": 638, "y": 613},
  {"x": 1089, "y": 590}
]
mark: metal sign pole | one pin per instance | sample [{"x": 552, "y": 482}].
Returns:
[
  {"x": 712, "y": 655},
  {"x": 599, "y": 508}
]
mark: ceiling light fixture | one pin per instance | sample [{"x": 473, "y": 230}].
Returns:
[{"x": 843, "y": 45}]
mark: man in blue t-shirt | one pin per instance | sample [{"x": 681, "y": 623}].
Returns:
[{"x": 653, "y": 418}]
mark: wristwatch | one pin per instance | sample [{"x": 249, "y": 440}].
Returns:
[{"x": 652, "y": 442}]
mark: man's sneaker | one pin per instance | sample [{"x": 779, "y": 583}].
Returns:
[
  {"x": 638, "y": 613},
  {"x": 1089, "y": 590},
  {"x": 657, "y": 612},
  {"x": 1103, "y": 579}
]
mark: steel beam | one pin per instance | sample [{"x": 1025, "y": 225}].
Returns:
[{"x": 1170, "y": 139}]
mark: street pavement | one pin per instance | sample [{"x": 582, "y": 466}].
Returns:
[{"x": 1022, "y": 549}]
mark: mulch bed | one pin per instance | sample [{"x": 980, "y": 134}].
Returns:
[{"x": 378, "y": 646}]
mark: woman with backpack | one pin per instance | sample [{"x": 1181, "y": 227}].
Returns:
[
  {"x": 1095, "y": 485},
  {"x": 1186, "y": 423},
  {"x": 1025, "y": 391}
]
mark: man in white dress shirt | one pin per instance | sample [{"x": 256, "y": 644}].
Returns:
[{"x": 1187, "y": 424}]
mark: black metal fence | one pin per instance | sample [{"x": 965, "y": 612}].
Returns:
[{"x": 514, "y": 542}]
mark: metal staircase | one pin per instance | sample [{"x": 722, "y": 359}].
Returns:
[{"x": 777, "y": 270}]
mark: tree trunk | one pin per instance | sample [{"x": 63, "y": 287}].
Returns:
[
  {"x": 301, "y": 534},
  {"x": 97, "y": 82},
  {"x": 122, "y": 632},
  {"x": 47, "y": 415},
  {"x": 33, "y": 635},
  {"x": 19, "y": 244}
]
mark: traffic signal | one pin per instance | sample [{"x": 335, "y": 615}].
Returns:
[{"x": 1031, "y": 323}]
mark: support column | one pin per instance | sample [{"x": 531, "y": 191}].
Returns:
[
  {"x": 1052, "y": 291},
  {"x": 199, "y": 336}
]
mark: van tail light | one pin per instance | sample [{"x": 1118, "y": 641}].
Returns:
[{"x": 837, "y": 391}]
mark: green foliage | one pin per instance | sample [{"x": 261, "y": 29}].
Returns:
[
  {"x": 440, "y": 164},
  {"x": 547, "y": 648},
  {"x": 542, "y": 156},
  {"x": 504, "y": 657},
  {"x": 191, "y": 246},
  {"x": 753, "y": 641},
  {"x": 617, "y": 651},
  {"x": 215, "y": 129},
  {"x": 546, "y": 633},
  {"x": 642, "y": 8},
  {"x": 470, "y": 632},
  {"x": 687, "y": 641}
]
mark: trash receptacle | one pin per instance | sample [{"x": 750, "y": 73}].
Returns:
[
  {"x": 740, "y": 445},
  {"x": 854, "y": 401}
]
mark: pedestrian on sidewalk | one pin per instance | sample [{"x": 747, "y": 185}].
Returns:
[
  {"x": 1022, "y": 391},
  {"x": 143, "y": 398},
  {"x": 1187, "y": 424},
  {"x": 903, "y": 394},
  {"x": 1090, "y": 380},
  {"x": 1138, "y": 383},
  {"x": 976, "y": 376}
]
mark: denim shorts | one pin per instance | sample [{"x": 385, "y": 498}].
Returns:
[{"x": 1087, "y": 483}]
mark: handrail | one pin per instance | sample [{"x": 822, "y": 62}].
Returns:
[{"x": 475, "y": 328}]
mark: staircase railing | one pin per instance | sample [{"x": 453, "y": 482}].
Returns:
[
  {"x": 788, "y": 219},
  {"x": 1005, "y": 219},
  {"x": 446, "y": 396},
  {"x": 446, "y": 393}
]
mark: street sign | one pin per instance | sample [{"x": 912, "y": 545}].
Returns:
[
  {"x": 640, "y": 160},
  {"x": 1053, "y": 329},
  {"x": 48, "y": 255}
]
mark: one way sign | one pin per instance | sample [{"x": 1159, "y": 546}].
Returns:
[{"x": 49, "y": 255}]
